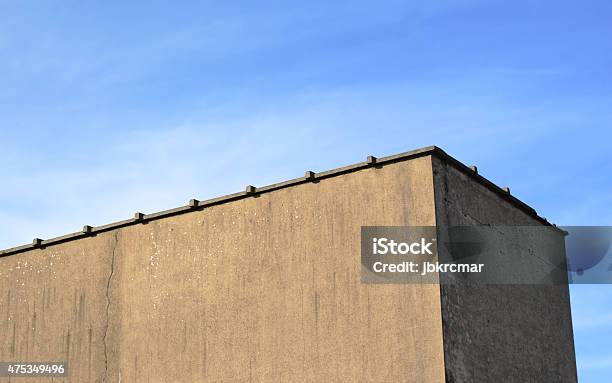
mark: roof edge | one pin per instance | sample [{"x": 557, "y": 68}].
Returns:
[{"x": 195, "y": 205}]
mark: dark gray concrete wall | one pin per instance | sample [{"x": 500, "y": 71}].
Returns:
[{"x": 499, "y": 333}]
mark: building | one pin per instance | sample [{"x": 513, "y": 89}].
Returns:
[{"x": 264, "y": 286}]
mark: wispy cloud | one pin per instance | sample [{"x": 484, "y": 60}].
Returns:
[
  {"x": 598, "y": 362},
  {"x": 98, "y": 175},
  {"x": 593, "y": 320}
]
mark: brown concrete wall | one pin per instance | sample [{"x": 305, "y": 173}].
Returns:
[
  {"x": 500, "y": 333},
  {"x": 264, "y": 289},
  {"x": 53, "y": 306}
]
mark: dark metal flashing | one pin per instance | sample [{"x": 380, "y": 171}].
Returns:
[{"x": 250, "y": 191}]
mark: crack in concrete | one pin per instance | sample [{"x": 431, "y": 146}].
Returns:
[{"x": 108, "y": 302}]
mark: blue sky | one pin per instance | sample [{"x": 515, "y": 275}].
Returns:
[{"x": 111, "y": 108}]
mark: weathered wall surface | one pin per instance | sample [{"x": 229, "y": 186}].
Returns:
[
  {"x": 53, "y": 306},
  {"x": 264, "y": 289},
  {"x": 499, "y": 333}
]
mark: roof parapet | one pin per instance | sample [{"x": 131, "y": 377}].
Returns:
[{"x": 309, "y": 176}]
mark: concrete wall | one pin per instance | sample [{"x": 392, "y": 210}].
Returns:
[
  {"x": 263, "y": 289},
  {"x": 500, "y": 333},
  {"x": 267, "y": 289},
  {"x": 53, "y": 306}
]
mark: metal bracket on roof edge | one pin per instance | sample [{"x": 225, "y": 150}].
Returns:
[
  {"x": 250, "y": 189},
  {"x": 372, "y": 160},
  {"x": 37, "y": 242},
  {"x": 474, "y": 168},
  {"x": 309, "y": 175},
  {"x": 194, "y": 202},
  {"x": 138, "y": 217},
  {"x": 87, "y": 229}
]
